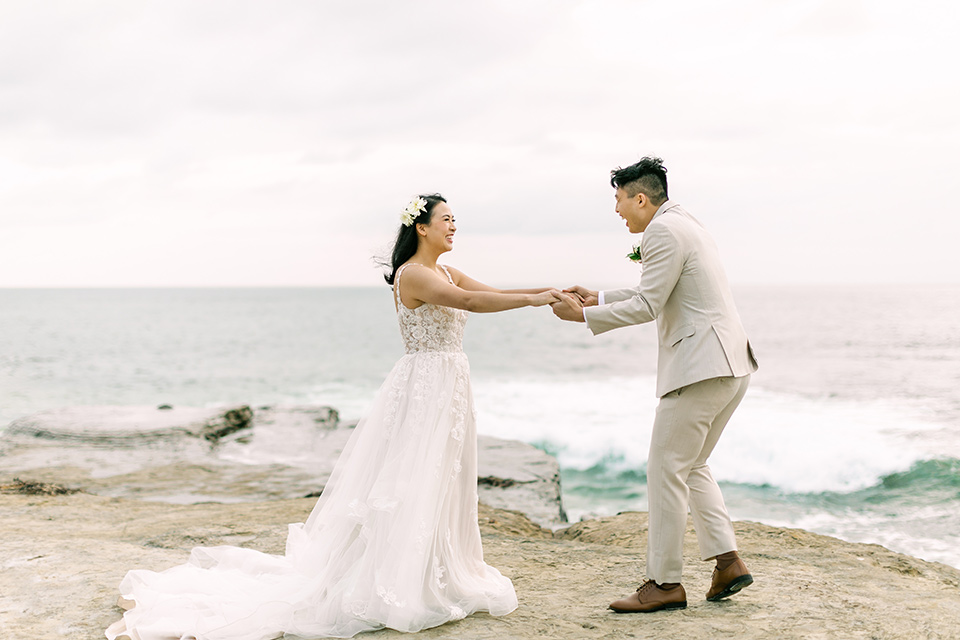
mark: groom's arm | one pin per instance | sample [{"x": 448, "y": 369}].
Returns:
[
  {"x": 662, "y": 264},
  {"x": 592, "y": 298},
  {"x": 616, "y": 295}
]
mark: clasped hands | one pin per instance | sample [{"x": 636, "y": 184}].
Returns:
[{"x": 570, "y": 302}]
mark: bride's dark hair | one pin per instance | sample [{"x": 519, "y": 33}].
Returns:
[{"x": 406, "y": 244}]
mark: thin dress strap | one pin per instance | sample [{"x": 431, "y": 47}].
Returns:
[
  {"x": 396, "y": 282},
  {"x": 449, "y": 277}
]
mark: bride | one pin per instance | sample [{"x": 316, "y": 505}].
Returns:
[{"x": 393, "y": 540}]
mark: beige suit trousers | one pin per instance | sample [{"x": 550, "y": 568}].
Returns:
[{"x": 688, "y": 425}]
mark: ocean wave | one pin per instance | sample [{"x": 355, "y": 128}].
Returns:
[
  {"x": 796, "y": 443},
  {"x": 932, "y": 481},
  {"x": 916, "y": 511}
]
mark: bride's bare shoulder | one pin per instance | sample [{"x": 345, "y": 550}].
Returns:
[
  {"x": 455, "y": 273},
  {"x": 416, "y": 273},
  {"x": 415, "y": 269}
]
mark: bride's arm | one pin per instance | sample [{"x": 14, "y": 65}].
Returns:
[
  {"x": 464, "y": 281},
  {"x": 425, "y": 285}
]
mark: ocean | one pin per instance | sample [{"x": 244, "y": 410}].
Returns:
[{"x": 851, "y": 427}]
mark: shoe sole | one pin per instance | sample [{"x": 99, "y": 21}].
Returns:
[
  {"x": 666, "y": 607},
  {"x": 735, "y": 585}
]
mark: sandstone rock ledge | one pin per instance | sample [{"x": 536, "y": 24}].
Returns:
[{"x": 63, "y": 555}]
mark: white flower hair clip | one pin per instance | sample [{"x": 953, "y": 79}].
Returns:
[{"x": 417, "y": 206}]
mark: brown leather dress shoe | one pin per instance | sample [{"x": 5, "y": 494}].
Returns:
[
  {"x": 729, "y": 581},
  {"x": 650, "y": 597}
]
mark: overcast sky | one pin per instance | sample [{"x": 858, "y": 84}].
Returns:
[{"x": 275, "y": 143}]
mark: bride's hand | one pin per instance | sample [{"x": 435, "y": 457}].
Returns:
[
  {"x": 546, "y": 297},
  {"x": 587, "y": 297}
]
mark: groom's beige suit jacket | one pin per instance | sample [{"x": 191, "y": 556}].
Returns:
[{"x": 684, "y": 288}]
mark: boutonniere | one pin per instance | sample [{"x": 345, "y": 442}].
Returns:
[{"x": 634, "y": 255}]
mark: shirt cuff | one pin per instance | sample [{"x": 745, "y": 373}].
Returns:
[
  {"x": 584, "y": 314},
  {"x": 600, "y": 298}
]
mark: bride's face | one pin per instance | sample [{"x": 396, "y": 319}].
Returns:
[{"x": 439, "y": 233}]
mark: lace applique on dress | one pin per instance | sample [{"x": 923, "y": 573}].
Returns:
[
  {"x": 356, "y": 608},
  {"x": 438, "y": 571},
  {"x": 459, "y": 409},
  {"x": 429, "y": 327},
  {"x": 394, "y": 395},
  {"x": 389, "y": 597},
  {"x": 358, "y": 510},
  {"x": 423, "y": 532}
]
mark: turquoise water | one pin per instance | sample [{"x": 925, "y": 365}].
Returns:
[{"x": 851, "y": 426}]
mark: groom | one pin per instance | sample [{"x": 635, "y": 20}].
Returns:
[{"x": 703, "y": 369}]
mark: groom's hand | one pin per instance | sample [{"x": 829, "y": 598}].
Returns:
[
  {"x": 567, "y": 307},
  {"x": 587, "y": 297}
]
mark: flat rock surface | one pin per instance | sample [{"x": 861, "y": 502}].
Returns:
[
  {"x": 63, "y": 556},
  {"x": 169, "y": 455}
]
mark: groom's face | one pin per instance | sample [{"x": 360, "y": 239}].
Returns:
[{"x": 635, "y": 210}]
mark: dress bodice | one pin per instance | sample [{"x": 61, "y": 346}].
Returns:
[{"x": 429, "y": 327}]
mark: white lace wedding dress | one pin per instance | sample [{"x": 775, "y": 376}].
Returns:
[{"x": 392, "y": 542}]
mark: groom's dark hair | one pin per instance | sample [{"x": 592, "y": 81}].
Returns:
[{"x": 648, "y": 176}]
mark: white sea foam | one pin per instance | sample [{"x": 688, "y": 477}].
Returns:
[
  {"x": 920, "y": 533},
  {"x": 795, "y": 443}
]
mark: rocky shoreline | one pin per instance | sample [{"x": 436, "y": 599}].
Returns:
[
  {"x": 238, "y": 454},
  {"x": 82, "y": 513}
]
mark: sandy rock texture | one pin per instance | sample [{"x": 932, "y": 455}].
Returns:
[{"x": 63, "y": 556}]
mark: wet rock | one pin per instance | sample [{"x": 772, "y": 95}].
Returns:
[
  {"x": 36, "y": 488},
  {"x": 118, "y": 427},
  {"x": 515, "y": 475},
  {"x": 493, "y": 481},
  {"x": 230, "y": 422}
]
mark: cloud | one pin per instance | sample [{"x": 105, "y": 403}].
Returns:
[{"x": 272, "y": 122}]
